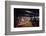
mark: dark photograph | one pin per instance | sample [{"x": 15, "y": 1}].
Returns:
[{"x": 26, "y": 17}]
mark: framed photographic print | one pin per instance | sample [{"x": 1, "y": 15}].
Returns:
[{"x": 24, "y": 17}]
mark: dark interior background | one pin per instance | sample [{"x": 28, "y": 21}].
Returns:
[{"x": 22, "y": 11}]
